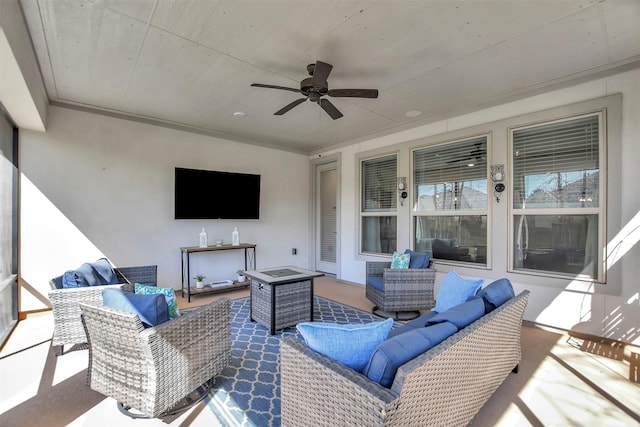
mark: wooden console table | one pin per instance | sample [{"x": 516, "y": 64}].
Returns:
[{"x": 249, "y": 264}]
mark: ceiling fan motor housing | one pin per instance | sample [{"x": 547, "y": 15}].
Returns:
[{"x": 307, "y": 87}]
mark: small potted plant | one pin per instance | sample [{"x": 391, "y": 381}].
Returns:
[
  {"x": 241, "y": 276},
  {"x": 199, "y": 281}
]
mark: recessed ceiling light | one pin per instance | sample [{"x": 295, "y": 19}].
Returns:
[
  {"x": 413, "y": 113},
  {"x": 239, "y": 114}
]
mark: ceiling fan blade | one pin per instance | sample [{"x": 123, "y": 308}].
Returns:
[
  {"x": 321, "y": 73},
  {"x": 353, "y": 93},
  {"x": 289, "y": 106},
  {"x": 330, "y": 109},
  {"x": 275, "y": 87}
]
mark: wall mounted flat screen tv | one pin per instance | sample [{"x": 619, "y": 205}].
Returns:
[{"x": 203, "y": 194}]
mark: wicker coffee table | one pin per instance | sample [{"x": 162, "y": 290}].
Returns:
[{"x": 281, "y": 296}]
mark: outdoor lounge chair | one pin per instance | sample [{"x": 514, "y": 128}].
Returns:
[
  {"x": 67, "y": 326},
  {"x": 160, "y": 370},
  {"x": 400, "y": 290}
]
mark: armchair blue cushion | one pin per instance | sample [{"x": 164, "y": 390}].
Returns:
[
  {"x": 418, "y": 259},
  {"x": 395, "y": 352},
  {"x": 151, "y": 309},
  {"x": 348, "y": 344},
  {"x": 377, "y": 282}
]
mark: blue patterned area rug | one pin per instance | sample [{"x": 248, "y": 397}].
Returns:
[{"x": 247, "y": 392}]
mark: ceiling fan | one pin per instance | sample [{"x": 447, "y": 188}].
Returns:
[{"x": 315, "y": 87}]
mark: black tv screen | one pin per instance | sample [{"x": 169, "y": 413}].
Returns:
[{"x": 203, "y": 194}]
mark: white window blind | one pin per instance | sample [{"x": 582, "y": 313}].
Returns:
[
  {"x": 556, "y": 165},
  {"x": 455, "y": 162},
  {"x": 451, "y": 177},
  {"x": 379, "y": 184}
]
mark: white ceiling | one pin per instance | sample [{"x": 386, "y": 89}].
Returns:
[{"x": 190, "y": 63}]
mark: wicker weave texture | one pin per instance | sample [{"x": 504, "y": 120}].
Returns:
[
  {"x": 404, "y": 289},
  {"x": 292, "y": 303},
  {"x": 447, "y": 385},
  {"x": 317, "y": 391},
  {"x": 152, "y": 369},
  {"x": 67, "y": 326},
  {"x": 462, "y": 372}
]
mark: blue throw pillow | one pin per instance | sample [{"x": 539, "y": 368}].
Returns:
[
  {"x": 169, "y": 295},
  {"x": 455, "y": 290},
  {"x": 104, "y": 269},
  {"x": 396, "y": 351},
  {"x": 496, "y": 293},
  {"x": 348, "y": 344},
  {"x": 400, "y": 261},
  {"x": 98, "y": 273},
  {"x": 417, "y": 259},
  {"x": 461, "y": 315},
  {"x": 151, "y": 309}
]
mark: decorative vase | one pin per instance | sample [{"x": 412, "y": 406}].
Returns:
[
  {"x": 203, "y": 239},
  {"x": 240, "y": 278},
  {"x": 199, "y": 285}
]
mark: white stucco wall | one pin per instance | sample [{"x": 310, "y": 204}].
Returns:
[
  {"x": 611, "y": 310},
  {"x": 96, "y": 186}
]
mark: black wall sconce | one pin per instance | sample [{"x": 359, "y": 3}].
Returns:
[
  {"x": 402, "y": 189},
  {"x": 497, "y": 176}
]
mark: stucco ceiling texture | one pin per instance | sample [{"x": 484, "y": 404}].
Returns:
[{"x": 190, "y": 64}]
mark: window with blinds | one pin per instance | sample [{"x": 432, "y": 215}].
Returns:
[
  {"x": 451, "y": 177},
  {"x": 557, "y": 165},
  {"x": 379, "y": 184},
  {"x": 451, "y": 200},
  {"x": 378, "y": 210},
  {"x": 557, "y": 213}
]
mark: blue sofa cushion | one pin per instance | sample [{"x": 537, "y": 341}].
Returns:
[
  {"x": 455, "y": 290},
  {"x": 151, "y": 309},
  {"x": 97, "y": 273},
  {"x": 377, "y": 282},
  {"x": 349, "y": 344},
  {"x": 496, "y": 293},
  {"x": 417, "y": 259},
  {"x": 418, "y": 322},
  {"x": 461, "y": 315},
  {"x": 168, "y": 293},
  {"x": 398, "y": 350}
]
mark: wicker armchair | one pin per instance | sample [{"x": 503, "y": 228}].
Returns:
[
  {"x": 67, "y": 326},
  {"x": 404, "y": 290},
  {"x": 153, "y": 370}
]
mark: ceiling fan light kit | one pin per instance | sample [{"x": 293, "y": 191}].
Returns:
[{"x": 316, "y": 86}]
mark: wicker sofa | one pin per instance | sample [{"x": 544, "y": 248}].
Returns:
[
  {"x": 446, "y": 385},
  {"x": 67, "y": 326}
]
